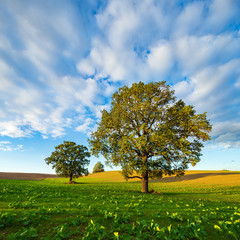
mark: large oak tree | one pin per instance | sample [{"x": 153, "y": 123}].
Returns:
[
  {"x": 148, "y": 132},
  {"x": 69, "y": 160}
]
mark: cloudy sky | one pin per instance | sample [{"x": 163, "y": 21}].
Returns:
[{"x": 61, "y": 61}]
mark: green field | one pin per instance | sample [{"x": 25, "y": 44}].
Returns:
[{"x": 201, "y": 205}]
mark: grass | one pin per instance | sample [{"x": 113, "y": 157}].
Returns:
[{"x": 201, "y": 205}]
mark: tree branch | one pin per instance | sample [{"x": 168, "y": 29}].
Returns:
[{"x": 135, "y": 177}]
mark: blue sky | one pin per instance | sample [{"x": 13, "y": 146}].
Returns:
[{"x": 61, "y": 61}]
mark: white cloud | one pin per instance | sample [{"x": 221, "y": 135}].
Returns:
[
  {"x": 99, "y": 108},
  {"x": 213, "y": 90},
  {"x": 7, "y": 146},
  {"x": 105, "y": 61},
  {"x": 58, "y": 72},
  {"x": 123, "y": 20},
  {"x": 189, "y": 20},
  {"x": 195, "y": 53},
  {"x": 221, "y": 13},
  {"x": 4, "y": 142},
  {"x": 226, "y": 134},
  {"x": 237, "y": 84},
  {"x": 85, "y": 67},
  {"x": 4, "y": 43},
  {"x": 160, "y": 58},
  {"x": 214, "y": 79},
  {"x": 87, "y": 92},
  {"x": 86, "y": 126},
  {"x": 121, "y": 51},
  {"x": 34, "y": 90},
  {"x": 5, "y": 68},
  {"x": 13, "y": 129},
  {"x": 183, "y": 89}
]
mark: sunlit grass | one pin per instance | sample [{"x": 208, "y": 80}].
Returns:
[
  {"x": 191, "y": 177},
  {"x": 105, "y": 206}
]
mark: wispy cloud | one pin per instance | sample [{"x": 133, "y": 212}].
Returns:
[
  {"x": 86, "y": 126},
  {"x": 37, "y": 92},
  {"x": 8, "y": 146},
  {"x": 60, "y": 63}
]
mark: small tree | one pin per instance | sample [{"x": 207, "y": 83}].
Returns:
[
  {"x": 99, "y": 167},
  {"x": 69, "y": 160},
  {"x": 148, "y": 131}
]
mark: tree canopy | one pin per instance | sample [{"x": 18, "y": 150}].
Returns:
[
  {"x": 69, "y": 160},
  {"x": 99, "y": 167},
  {"x": 147, "y": 131}
]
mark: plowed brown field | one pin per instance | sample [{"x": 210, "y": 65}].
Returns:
[{"x": 25, "y": 176}]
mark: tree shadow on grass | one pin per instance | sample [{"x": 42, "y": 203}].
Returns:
[{"x": 189, "y": 177}]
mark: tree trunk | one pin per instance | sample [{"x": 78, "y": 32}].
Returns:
[
  {"x": 145, "y": 182},
  {"x": 70, "y": 180}
]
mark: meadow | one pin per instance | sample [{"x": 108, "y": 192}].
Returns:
[{"x": 200, "y": 205}]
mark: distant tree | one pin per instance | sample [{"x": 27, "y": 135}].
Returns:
[
  {"x": 147, "y": 131},
  {"x": 69, "y": 160},
  {"x": 99, "y": 167}
]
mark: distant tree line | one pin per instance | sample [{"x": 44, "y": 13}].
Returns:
[{"x": 99, "y": 167}]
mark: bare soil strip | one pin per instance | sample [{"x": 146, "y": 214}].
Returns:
[{"x": 26, "y": 176}]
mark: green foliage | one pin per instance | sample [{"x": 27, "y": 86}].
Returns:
[
  {"x": 148, "y": 131},
  {"x": 118, "y": 211},
  {"x": 69, "y": 160},
  {"x": 99, "y": 167},
  {"x": 6, "y": 219},
  {"x": 230, "y": 227},
  {"x": 26, "y": 233}
]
